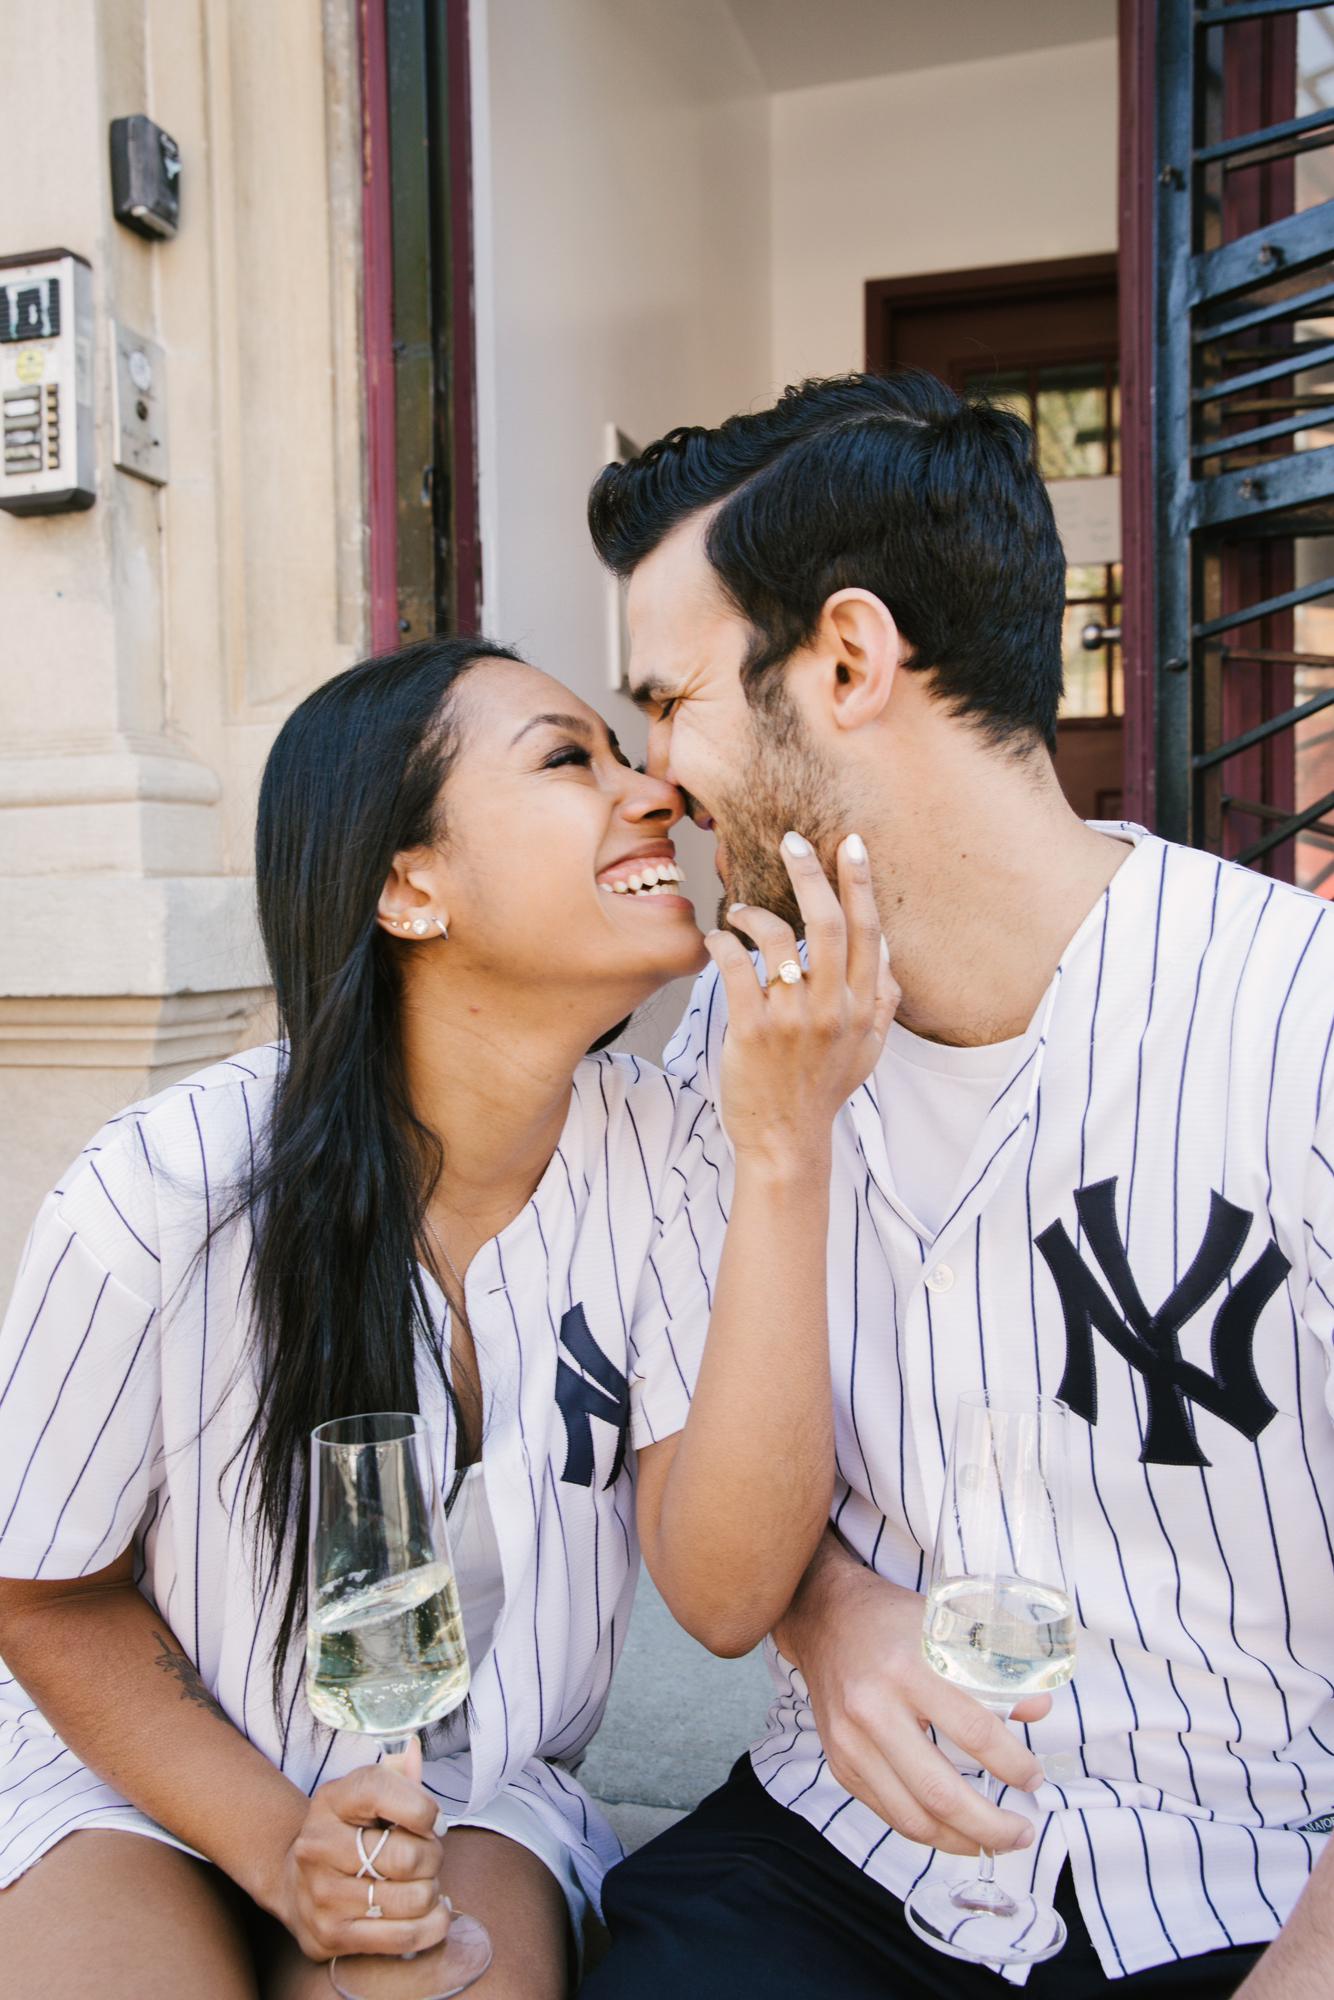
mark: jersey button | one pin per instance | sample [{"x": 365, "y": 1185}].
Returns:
[{"x": 939, "y": 1280}]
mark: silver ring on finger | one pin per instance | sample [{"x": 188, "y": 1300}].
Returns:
[
  {"x": 368, "y": 1861},
  {"x": 372, "y": 1907},
  {"x": 791, "y": 972}
]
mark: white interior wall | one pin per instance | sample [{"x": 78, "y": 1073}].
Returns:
[
  {"x": 621, "y": 167},
  {"x": 659, "y": 241},
  {"x": 996, "y": 162}
]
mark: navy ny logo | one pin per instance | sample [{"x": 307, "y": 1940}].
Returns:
[
  {"x": 1150, "y": 1341},
  {"x": 607, "y": 1396}
]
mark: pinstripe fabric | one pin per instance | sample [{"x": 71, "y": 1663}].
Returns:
[
  {"x": 1182, "y": 1050},
  {"x": 120, "y": 1340}
]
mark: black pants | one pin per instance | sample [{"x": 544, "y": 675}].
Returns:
[{"x": 745, "y": 1898}]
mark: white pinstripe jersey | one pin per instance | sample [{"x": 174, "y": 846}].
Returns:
[
  {"x": 1146, "y": 1226},
  {"x": 102, "y": 1394}
]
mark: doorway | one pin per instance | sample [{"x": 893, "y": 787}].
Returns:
[{"x": 1041, "y": 339}]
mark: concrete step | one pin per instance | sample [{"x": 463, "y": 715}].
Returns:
[{"x": 676, "y": 1722}]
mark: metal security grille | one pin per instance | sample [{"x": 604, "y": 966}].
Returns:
[{"x": 1242, "y": 432}]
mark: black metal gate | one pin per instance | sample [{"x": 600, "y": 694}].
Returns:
[{"x": 1243, "y": 434}]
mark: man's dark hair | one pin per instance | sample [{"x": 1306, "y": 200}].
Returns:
[{"x": 892, "y": 484}]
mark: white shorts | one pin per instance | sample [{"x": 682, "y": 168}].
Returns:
[{"x": 507, "y": 1814}]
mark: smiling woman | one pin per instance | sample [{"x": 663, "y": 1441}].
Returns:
[
  {"x": 425, "y": 1197},
  {"x": 542, "y": 808}
]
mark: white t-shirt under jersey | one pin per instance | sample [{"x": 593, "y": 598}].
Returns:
[
  {"x": 589, "y": 1314},
  {"x": 934, "y": 1101}
]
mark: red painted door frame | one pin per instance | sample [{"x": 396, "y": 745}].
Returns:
[
  {"x": 1135, "y": 206},
  {"x": 466, "y": 531},
  {"x": 458, "y": 597}
]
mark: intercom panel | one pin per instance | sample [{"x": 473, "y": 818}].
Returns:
[{"x": 46, "y": 382}]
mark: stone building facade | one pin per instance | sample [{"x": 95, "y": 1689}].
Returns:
[{"x": 153, "y": 643}]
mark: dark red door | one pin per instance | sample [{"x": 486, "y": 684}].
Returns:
[{"x": 1042, "y": 339}]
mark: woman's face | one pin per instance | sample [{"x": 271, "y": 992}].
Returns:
[{"x": 557, "y": 865}]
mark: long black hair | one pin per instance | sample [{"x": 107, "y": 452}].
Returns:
[{"x": 345, "y": 1171}]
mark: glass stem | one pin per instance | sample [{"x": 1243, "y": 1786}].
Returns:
[
  {"x": 394, "y": 1746},
  {"x": 986, "y": 1860}
]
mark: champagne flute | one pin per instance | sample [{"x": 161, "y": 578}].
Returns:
[
  {"x": 1000, "y": 1624},
  {"x": 384, "y": 1643}
]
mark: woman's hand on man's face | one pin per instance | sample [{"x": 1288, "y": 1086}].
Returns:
[{"x": 797, "y": 1049}]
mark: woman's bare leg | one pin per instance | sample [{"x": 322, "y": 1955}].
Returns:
[
  {"x": 513, "y": 1893},
  {"x": 118, "y": 1916}
]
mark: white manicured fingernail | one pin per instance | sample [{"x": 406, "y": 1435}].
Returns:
[
  {"x": 795, "y": 846},
  {"x": 884, "y": 949},
  {"x": 736, "y": 909},
  {"x": 855, "y": 848}
]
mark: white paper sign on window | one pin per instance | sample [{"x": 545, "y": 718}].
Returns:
[{"x": 1088, "y": 518}]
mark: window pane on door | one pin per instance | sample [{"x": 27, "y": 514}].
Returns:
[
  {"x": 1094, "y": 689},
  {"x": 1074, "y": 409},
  {"x": 1073, "y": 422},
  {"x": 1007, "y": 389}
]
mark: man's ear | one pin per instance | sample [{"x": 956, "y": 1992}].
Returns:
[{"x": 862, "y": 648}]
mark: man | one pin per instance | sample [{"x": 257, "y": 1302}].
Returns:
[{"x": 1096, "y": 1160}]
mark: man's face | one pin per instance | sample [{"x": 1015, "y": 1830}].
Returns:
[{"x": 749, "y": 772}]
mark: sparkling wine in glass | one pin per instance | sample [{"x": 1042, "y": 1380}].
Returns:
[
  {"x": 1000, "y": 1624},
  {"x": 384, "y": 1642}
]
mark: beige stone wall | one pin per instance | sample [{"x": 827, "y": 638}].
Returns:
[{"x": 153, "y": 644}]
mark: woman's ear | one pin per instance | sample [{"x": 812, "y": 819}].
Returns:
[
  {"x": 412, "y": 903},
  {"x": 861, "y": 642},
  {"x": 394, "y": 911}
]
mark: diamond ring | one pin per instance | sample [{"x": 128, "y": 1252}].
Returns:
[{"x": 790, "y": 972}]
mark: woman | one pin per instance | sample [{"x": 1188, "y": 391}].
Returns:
[{"x": 425, "y": 1197}]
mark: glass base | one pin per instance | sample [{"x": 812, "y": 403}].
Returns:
[
  {"x": 448, "y": 1968},
  {"x": 983, "y": 1923}
]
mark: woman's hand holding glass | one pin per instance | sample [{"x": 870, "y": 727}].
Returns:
[
  {"x": 386, "y": 1656},
  {"x": 322, "y": 1898}
]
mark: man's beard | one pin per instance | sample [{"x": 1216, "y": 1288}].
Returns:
[{"x": 787, "y": 785}]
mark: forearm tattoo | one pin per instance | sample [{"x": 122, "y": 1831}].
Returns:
[{"x": 185, "y": 1674}]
